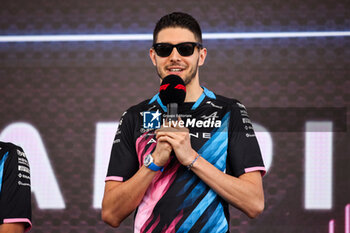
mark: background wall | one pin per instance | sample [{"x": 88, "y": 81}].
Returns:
[{"x": 67, "y": 91}]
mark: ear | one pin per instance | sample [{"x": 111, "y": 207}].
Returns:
[
  {"x": 152, "y": 55},
  {"x": 202, "y": 56}
]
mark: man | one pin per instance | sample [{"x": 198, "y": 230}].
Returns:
[
  {"x": 15, "y": 193},
  {"x": 181, "y": 179}
]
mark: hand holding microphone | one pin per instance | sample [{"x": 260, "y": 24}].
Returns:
[{"x": 172, "y": 92}]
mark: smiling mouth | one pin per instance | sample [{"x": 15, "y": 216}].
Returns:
[{"x": 175, "y": 70}]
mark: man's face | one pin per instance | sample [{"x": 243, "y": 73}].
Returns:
[{"x": 184, "y": 66}]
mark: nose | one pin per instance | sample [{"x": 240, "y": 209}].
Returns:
[{"x": 174, "y": 56}]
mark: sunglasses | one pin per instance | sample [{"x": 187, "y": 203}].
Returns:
[{"x": 185, "y": 49}]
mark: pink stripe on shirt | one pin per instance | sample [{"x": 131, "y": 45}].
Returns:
[
  {"x": 252, "y": 169},
  {"x": 19, "y": 220},
  {"x": 141, "y": 144},
  {"x": 114, "y": 178},
  {"x": 171, "y": 228},
  {"x": 159, "y": 186},
  {"x": 154, "y": 225}
]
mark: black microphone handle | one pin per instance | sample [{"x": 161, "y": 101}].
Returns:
[{"x": 172, "y": 111}]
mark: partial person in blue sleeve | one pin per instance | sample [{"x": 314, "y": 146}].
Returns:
[{"x": 15, "y": 192}]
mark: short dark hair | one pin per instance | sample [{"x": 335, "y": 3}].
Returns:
[{"x": 178, "y": 19}]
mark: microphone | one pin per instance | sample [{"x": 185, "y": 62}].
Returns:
[{"x": 172, "y": 92}]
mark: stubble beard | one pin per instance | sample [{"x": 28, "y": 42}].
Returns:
[{"x": 188, "y": 78}]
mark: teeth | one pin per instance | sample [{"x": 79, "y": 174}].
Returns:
[{"x": 175, "y": 70}]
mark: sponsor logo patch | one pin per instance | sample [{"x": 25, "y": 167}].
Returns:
[{"x": 151, "y": 120}]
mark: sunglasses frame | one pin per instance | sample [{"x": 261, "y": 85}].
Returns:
[{"x": 194, "y": 44}]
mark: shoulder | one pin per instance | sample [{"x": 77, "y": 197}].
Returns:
[
  {"x": 139, "y": 107},
  {"x": 134, "y": 114},
  {"x": 11, "y": 152},
  {"x": 7, "y": 147},
  {"x": 230, "y": 102},
  {"x": 238, "y": 112}
]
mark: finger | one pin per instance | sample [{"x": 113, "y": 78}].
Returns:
[
  {"x": 159, "y": 135},
  {"x": 164, "y": 125},
  {"x": 167, "y": 139},
  {"x": 161, "y": 139},
  {"x": 178, "y": 125},
  {"x": 163, "y": 129},
  {"x": 173, "y": 135},
  {"x": 162, "y": 134},
  {"x": 165, "y": 133}
]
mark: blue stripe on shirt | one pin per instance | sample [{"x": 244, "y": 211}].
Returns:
[{"x": 2, "y": 164}]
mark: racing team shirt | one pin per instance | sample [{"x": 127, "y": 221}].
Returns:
[
  {"x": 177, "y": 200},
  {"x": 15, "y": 193}
]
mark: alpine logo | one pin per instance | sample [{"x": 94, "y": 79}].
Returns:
[
  {"x": 213, "y": 116},
  {"x": 151, "y": 141}
]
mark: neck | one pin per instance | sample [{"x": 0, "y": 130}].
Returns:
[{"x": 193, "y": 91}]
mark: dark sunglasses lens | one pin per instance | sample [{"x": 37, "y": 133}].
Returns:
[
  {"x": 185, "y": 49},
  {"x": 163, "y": 50}
]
